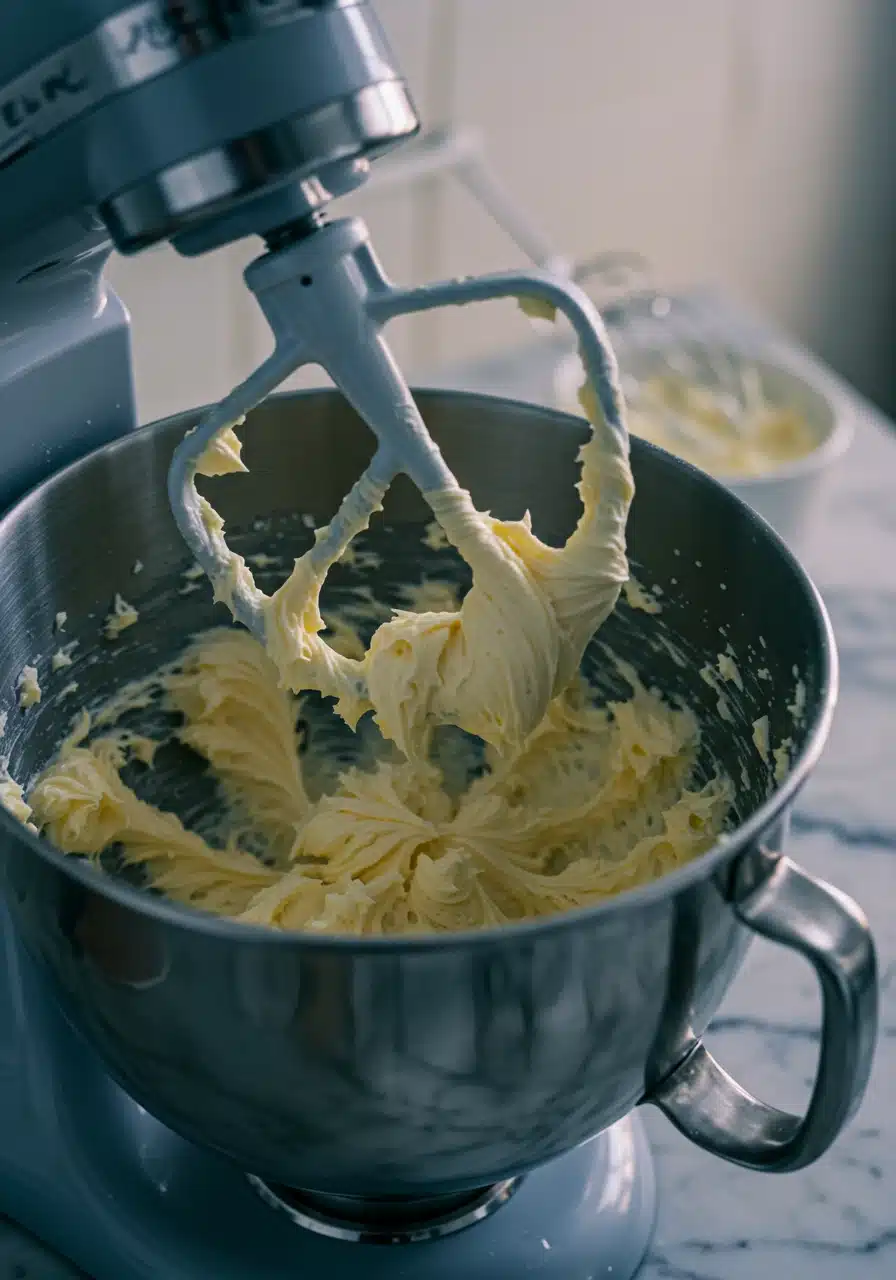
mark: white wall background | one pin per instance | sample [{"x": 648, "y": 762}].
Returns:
[{"x": 747, "y": 144}]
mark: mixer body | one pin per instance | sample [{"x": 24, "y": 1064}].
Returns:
[{"x": 418, "y": 1067}]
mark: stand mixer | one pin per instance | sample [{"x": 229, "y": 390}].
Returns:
[{"x": 199, "y": 123}]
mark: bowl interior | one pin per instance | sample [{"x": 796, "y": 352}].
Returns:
[{"x": 723, "y": 583}]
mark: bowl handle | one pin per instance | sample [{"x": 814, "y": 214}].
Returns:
[{"x": 779, "y": 901}]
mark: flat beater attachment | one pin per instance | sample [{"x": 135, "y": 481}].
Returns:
[{"x": 327, "y": 301}]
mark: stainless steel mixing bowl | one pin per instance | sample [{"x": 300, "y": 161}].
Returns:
[{"x": 428, "y": 1065}]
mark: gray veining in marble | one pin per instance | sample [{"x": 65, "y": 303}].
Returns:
[{"x": 836, "y": 1220}]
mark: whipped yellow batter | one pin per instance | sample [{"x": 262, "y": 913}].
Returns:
[
  {"x": 598, "y": 800},
  {"x": 30, "y": 692},
  {"x": 12, "y": 798},
  {"x": 571, "y": 801},
  {"x": 122, "y": 616}
]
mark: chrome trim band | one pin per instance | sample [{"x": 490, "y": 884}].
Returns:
[
  {"x": 350, "y": 129},
  {"x": 392, "y": 1223}
]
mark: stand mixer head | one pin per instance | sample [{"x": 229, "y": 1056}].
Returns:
[{"x": 197, "y": 122}]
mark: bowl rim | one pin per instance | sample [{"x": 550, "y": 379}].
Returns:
[{"x": 192, "y": 919}]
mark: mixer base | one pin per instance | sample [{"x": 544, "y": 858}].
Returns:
[{"x": 588, "y": 1214}]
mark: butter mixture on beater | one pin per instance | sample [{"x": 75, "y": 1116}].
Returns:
[
  {"x": 573, "y": 802},
  {"x": 490, "y": 667}
]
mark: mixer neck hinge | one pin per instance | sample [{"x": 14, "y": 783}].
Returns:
[{"x": 295, "y": 231}]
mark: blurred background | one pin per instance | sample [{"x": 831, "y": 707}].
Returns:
[{"x": 743, "y": 145}]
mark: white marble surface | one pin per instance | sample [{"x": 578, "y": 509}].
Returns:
[{"x": 836, "y": 1220}]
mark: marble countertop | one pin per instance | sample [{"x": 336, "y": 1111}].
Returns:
[{"x": 836, "y": 1220}]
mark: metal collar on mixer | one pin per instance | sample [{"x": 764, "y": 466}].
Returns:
[
  {"x": 346, "y": 133},
  {"x": 393, "y": 1221}
]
